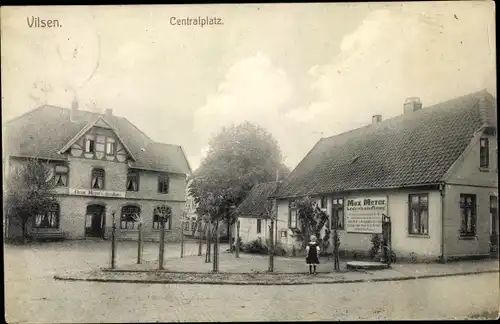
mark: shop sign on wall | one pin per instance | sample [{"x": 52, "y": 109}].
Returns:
[{"x": 364, "y": 215}]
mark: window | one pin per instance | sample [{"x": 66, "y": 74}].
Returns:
[
  {"x": 89, "y": 144},
  {"x": 186, "y": 225},
  {"x": 156, "y": 220},
  {"x": 484, "y": 154},
  {"x": 61, "y": 176},
  {"x": 128, "y": 217},
  {"x": 292, "y": 219},
  {"x": 419, "y": 214},
  {"x": 338, "y": 213},
  {"x": 132, "y": 180},
  {"x": 494, "y": 214},
  {"x": 259, "y": 226},
  {"x": 100, "y": 143},
  {"x": 110, "y": 146},
  {"x": 323, "y": 202},
  {"x": 468, "y": 215},
  {"x": 163, "y": 183},
  {"x": 50, "y": 219},
  {"x": 97, "y": 179}
]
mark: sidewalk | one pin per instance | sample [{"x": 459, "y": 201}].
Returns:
[{"x": 252, "y": 270}]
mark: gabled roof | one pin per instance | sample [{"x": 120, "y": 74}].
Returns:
[
  {"x": 45, "y": 130},
  {"x": 84, "y": 130},
  {"x": 416, "y": 148},
  {"x": 254, "y": 203}
]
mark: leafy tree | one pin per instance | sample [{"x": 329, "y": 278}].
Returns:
[
  {"x": 311, "y": 221},
  {"x": 238, "y": 158},
  {"x": 29, "y": 191}
]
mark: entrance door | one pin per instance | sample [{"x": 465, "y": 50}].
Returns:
[{"x": 95, "y": 220}]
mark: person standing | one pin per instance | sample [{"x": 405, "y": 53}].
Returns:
[{"x": 312, "y": 254}]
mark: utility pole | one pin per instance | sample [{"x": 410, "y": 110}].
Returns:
[{"x": 238, "y": 238}]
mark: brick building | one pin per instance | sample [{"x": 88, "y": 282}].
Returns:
[
  {"x": 432, "y": 170},
  {"x": 101, "y": 164}
]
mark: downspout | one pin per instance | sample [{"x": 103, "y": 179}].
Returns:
[{"x": 442, "y": 188}]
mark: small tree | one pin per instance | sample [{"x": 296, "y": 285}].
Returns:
[
  {"x": 29, "y": 191},
  {"x": 312, "y": 221},
  {"x": 165, "y": 213},
  {"x": 139, "y": 219}
]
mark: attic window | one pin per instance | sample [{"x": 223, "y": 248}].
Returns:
[
  {"x": 90, "y": 144},
  {"x": 355, "y": 159}
]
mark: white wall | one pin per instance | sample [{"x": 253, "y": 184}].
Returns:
[
  {"x": 248, "y": 229},
  {"x": 403, "y": 243}
]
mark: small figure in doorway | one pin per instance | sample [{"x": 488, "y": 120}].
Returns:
[{"x": 312, "y": 253}]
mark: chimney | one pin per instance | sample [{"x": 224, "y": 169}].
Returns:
[
  {"x": 376, "y": 119},
  {"x": 108, "y": 112},
  {"x": 412, "y": 104}
]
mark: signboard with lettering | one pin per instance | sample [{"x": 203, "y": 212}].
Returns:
[
  {"x": 96, "y": 193},
  {"x": 364, "y": 215}
]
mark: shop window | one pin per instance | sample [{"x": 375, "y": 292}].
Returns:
[
  {"x": 49, "y": 219},
  {"x": 337, "y": 213},
  {"x": 132, "y": 180},
  {"x": 259, "y": 226},
  {"x": 468, "y": 215},
  {"x": 484, "y": 153},
  {"x": 129, "y": 217},
  {"x": 163, "y": 183},
  {"x": 419, "y": 214},
  {"x": 97, "y": 179}
]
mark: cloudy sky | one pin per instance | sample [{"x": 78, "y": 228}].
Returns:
[{"x": 302, "y": 71}]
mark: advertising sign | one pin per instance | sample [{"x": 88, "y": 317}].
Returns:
[
  {"x": 364, "y": 215},
  {"x": 96, "y": 193}
]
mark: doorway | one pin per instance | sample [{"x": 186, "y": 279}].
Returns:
[{"x": 95, "y": 221}]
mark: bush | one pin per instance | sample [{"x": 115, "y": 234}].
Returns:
[
  {"x": 376, "y": 241},
  {"x": 279, "y": 249},
  {"x": 256, "y": 247}
]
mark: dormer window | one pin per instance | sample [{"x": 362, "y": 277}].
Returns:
[
  {"x": 89, "y": 144},
  {"x": 97, "y": 179},
  {"x": 484, "y": 154}
]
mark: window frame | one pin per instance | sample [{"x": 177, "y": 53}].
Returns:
[
  {"x": 135, "y": 223},
  {"x": 91, "y": 140},
  {"x": 464, "y": 233},
  {"x": 484, "y": 153},
  {"x": 420, "y": 207},
  {"x": 58, "y": 173},
  {"x": 161, "y": 183},
  {"x": 156, "y": 223},
  {"x": 97, "y": 169},
  {"x": 323, "y": 202},
  {"x": 336, "y": 208},
  {"x": 259, "y": 226},
  {"x": 291, "y": 210},
  {"x": 53, "y": 208},
  {"x": 131, "y": 172},
  {"x": 110, "y": 141}
]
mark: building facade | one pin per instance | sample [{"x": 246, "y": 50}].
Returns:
[
  {"x": 101, "y": 165},
  {"x": 433, "y": 171}
]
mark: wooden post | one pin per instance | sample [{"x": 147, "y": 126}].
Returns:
[
  {"x": 139, "y": 245},
  {"x": 209, "y": 244},
  {"x": 162, "y": 243},
  {"x": 214, "y": 264},
  {"x": 182, "y": 243},
  {"x": 113, "y": 243},
  {"x": 271, "y": 248},
  {"x": 336, "y": 264},
  {"x": 200, "y": 238},
  {"x": 238, "y": 238}
]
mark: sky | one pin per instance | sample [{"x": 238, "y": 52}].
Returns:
[{"x": 301, "y": 71}]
